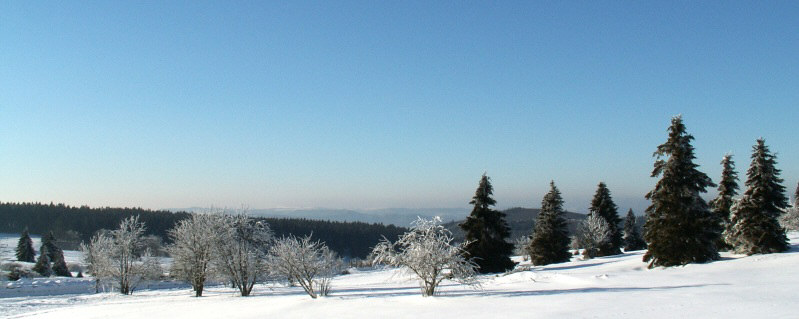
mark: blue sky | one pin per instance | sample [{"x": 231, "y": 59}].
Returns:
[{"x": 382, "y": 104}]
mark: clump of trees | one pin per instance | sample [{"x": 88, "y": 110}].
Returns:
[
  {"x": 427, "y": 252},
  {"x": 755, "y": 227},
  {"x": 487, "y": 232}
]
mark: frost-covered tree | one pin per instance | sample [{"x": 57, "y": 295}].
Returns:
[
  {"x": 755, "y": 226},
  {"x": 487, "y": 232},
  {"x": 550, "y": 239},
  {"x": 602, "y": 205},
  {"x": 306, "y": 262},
  {"x": 241, "y": 250},
  {"x": 632, "y": 237},
  {"x": 426, "y": 251},
  {"x": 42, "y": 265},
  {"x": 120, "y": 256},
  {"x": 593, "y": 235},
  {"x": 790, "y": 220},
  {"x": 24, "y": 249},
  {"x": 194, "y": 240},
  {"x": 521, "y": 247},
  {"x": 721, "y": 205},
  {"x": 680, "y": 228}
]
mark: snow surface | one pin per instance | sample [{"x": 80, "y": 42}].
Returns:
[{"x": 610, "y": 287}]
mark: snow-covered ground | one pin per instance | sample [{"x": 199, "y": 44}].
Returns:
[{"x": 760, "y": 286}]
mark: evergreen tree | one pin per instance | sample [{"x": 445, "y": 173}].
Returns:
[
  {"x": 603, "y": 206},
  {"x": 550, "y": 243},
  {"x": 632, "y": 237},
  {"x": 60, "y": 267},
  {"x": 42, "y": 265},
  {"x": 680, "y": 228},
  {"x": 755, "y": 227},
  {"x": 25, "y": 250},
  {"x": 728, "y": 188},
  {"x": 487, "y": 232},
  {"x": 48, "y": 244}
]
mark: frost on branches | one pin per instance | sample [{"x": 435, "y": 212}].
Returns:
[
  {"x": 593, "y": 234},
  {"x": 309, "y": 263},
  {"x": 790, "y": 220},
  {"x": 241, "y": 250},
  {"x": 426, "y": 251},
  {"x": 119, "y": 256},
  {"x": 192, "y": 249}
]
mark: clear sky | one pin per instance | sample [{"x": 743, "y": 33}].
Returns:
[{"x": 378, "y": 104}]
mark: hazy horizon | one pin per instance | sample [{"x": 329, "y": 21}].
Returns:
[{"x": 357, "y": 105}]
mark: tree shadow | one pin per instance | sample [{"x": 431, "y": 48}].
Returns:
[{"x": 575, "y": 266}]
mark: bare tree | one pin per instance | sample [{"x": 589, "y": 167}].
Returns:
[
  {"x": 194, "y": 240},
  {"x": 593, "y": 234},
  {"x": 309, "y": 263},
  {"x": 426, "y": 251},
  {"x": 119, "y": 256},
  {"x": 240, "y": 250}
]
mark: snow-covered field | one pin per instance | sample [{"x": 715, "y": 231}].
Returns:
[{"x": 760, "y": 286}]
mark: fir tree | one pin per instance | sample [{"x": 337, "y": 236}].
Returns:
[
  {"x": 25, "y": 250},
  {"x": 603, "y": 206},
  {"x": 680, "y": 228},
  {"x": 60, "y": 267},
  {"x": 632, "y": 237},
  {"x": 728, "y": 188},
  {"x": 487, "y": 232},
  {"x": 755, "y": 227},
  {"x": 550, "y": 243},
  {"x": 42, "y": 265}
]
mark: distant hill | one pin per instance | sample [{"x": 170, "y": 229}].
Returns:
[{"x": 521, "y": 221}]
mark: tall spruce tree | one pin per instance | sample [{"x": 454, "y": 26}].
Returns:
[
  {"x": 680, "y": 228},
  {"x": 632, "y": 237},
  {"x": 721, "y": 205},
  {"x": 25, "y": 250},
  {"x": 60, "y": 268},
  {"x": 603, "y": 206},
  {"x": 48, "y": 245},
  {"x": 550, "y": 242},
  {"x": 755, "y": 226},
  {"x": 487, "y": 232}
]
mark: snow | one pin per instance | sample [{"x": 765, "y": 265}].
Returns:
[{"x": 608, "y": 287}]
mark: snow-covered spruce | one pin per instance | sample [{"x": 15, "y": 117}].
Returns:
[
  {"x": 550, "y": 239},
  {"x": 119, "y": 256},
  {"x": 426, "y": 251},
  {"x": 311, "y": 264},
  {"x": 602, "y": 205},
  {"x": 680, "y": 228},
  {"x": 722, "y": 204},
  {"x": 194, "y": 240},
  {"x": 632, "y": 237},
  {"x": 241, "y": 250},
  {"x": 755, "y": 226},
  {"x": 593, "y": 235},
  {"x": 487, "y": 232}
]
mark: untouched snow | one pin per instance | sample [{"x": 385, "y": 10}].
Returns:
[{"x": 610, "y": 287}]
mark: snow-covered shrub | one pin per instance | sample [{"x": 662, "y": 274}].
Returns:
[
  {"x": 593, "y": 234},
  {"x": 521, "y": 247},
  {"x": 119, "y": 256},
  {"x": 240, "y": 250},
  {"x": 426, "y": 251},
  {"x": 311, "y": 264},
  {"x": 14, "y": 271},
  {"x": 194, "y": 240}
]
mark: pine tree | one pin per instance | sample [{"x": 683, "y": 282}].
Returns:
[
  {"x": 632, "y": 237},
  {"x": 603, "y": 206},
  {"x": 42, "y": 265},
  {"x": 728, "y": 188},
  {"x": 755, "y": 227},
  {"x": 25, "y": 250},
  {"x": 550, "y": 243},
  {"x": 487, "y": 232},
  {"x": 680, "y": 228},
  {"x": 60, "y": 267}
]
